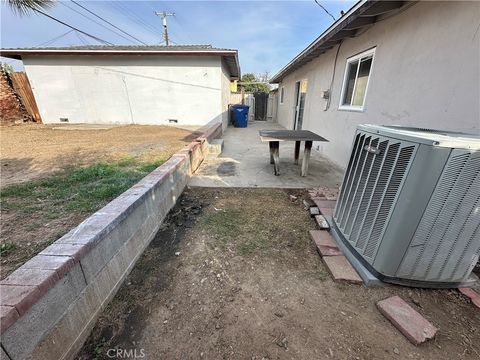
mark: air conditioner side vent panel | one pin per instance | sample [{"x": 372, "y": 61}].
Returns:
[
  {"x": 446, "y": 232},
  {"x": 372, "y": 181},
  {"x": 399, "y": 172}
]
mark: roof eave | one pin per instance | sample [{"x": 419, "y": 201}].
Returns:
[
  {"x": 11, "y": 53},
  {"x": 19, "y": 53},
  {"x": 362, "y": 14}
]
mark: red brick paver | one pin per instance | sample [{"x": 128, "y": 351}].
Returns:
[
  {"x": 43, "y": 279},
  {"x": 321, "y": 203},
  {"x": 73, "y": 250},
  {"x": 8, "y": 315},
  {"x": 322, "y": 222},
  {"x": 20, "y": 297},
  {"x": 326, "y": 246},
  {"x": 61, "y": 264},
  {"x": 341, "y": 269},
  {"x": 409, "y": 322},
  {"x": 472, "y": 294},
  {"x": 326, "y": 211}
]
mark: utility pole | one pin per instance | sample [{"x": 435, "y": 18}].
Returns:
[{"x": 164, "y": 15}]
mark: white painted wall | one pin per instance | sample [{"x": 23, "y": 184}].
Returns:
[
  {"x": 225, "y": 95},
  {"x": 426, "y": 73},
  {"x": 127, "y": 89}
]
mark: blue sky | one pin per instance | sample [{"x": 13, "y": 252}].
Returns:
[{"x": 267, "y": 33}]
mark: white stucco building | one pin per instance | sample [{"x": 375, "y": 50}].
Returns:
[
  {"x": 159, "y": 85},
  {"x": 392, "y": 62}
]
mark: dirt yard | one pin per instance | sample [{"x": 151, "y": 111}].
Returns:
[
  {"x": 233, "y": 274},
  {"x": 53, "y": 179},
  {"x": 33, "y": 151}
]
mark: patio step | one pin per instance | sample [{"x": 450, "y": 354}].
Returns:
[{"x": 215, "y": 147}]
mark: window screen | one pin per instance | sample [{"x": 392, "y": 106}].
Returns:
[{"x": 356, "y": 80}]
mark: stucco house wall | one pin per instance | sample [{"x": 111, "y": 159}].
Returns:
[
  {"x": 425, "y": 73},
  {"x": 225, "y": 95},
  {"x": 128, "y": 89}
]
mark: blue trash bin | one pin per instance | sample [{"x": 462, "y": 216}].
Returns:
[{"x": 240, "y": 115}]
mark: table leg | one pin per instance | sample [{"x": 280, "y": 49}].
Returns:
[
  {"x": 276, "y": 156},
  {"x": 297, "y": 151},
  {"x": 270, "y": 145},
  {"x": 306, "y": 157}
]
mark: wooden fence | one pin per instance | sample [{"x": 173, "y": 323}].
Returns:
[{"x": 22, "y": 87}]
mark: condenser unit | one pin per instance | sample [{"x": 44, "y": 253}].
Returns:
[{"x": 409, "y": 205}]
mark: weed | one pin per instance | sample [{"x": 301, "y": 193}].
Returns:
[
  {"x": 252, "y": 246},
  {"x": 32, "y": 226},
  {"x": 6, "y": 248},
  {"x": 100, "y": 350},
  {"x": 127, "y": 161},
  {"x": 225, "y": 224},
  {"x": 256, "y": 225},
  {"x": 238, "y": 227},
  {"x": 149, "y": 167},
  {"x": 75, "y": 189}
]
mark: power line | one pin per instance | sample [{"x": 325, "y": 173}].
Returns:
[
  {"x": 182, "y": 29},
  {"x": 132, "y": 17},
  {"x": 140, "y": 16},
  {"x": 96, "y": 22},
  {"x": 51, "y": 41},
  {"x": 48, "y": 42},
  {"x": 130, "y": 14},
  {"x": 80, "y": 37},
  {"x": 324, "y": 9},
  {"x": 108, "y": 22},
  {"x": 72, "y": 27}
]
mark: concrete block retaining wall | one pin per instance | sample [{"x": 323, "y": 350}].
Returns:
[{"x": 50, "y": 304}]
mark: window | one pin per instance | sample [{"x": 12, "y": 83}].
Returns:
[
  {"x": 355, "y": 82},
  {"x": 282, "y": 94}
]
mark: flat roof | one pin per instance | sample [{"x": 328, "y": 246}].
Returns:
[
  {"x": 363, "y": 14},
  {"x": 230, "y": 56}
]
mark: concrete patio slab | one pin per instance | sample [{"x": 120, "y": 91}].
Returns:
[{"x": 245, "y": 162}]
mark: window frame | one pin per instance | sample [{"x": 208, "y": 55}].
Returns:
[
  {"x": 282, "y": 95},
  {"x": 350, "y": 60}
]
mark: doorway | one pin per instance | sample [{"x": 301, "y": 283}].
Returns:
[
  {"x": 261, "y": 100},
  {"x": 300, "y": 95}
]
